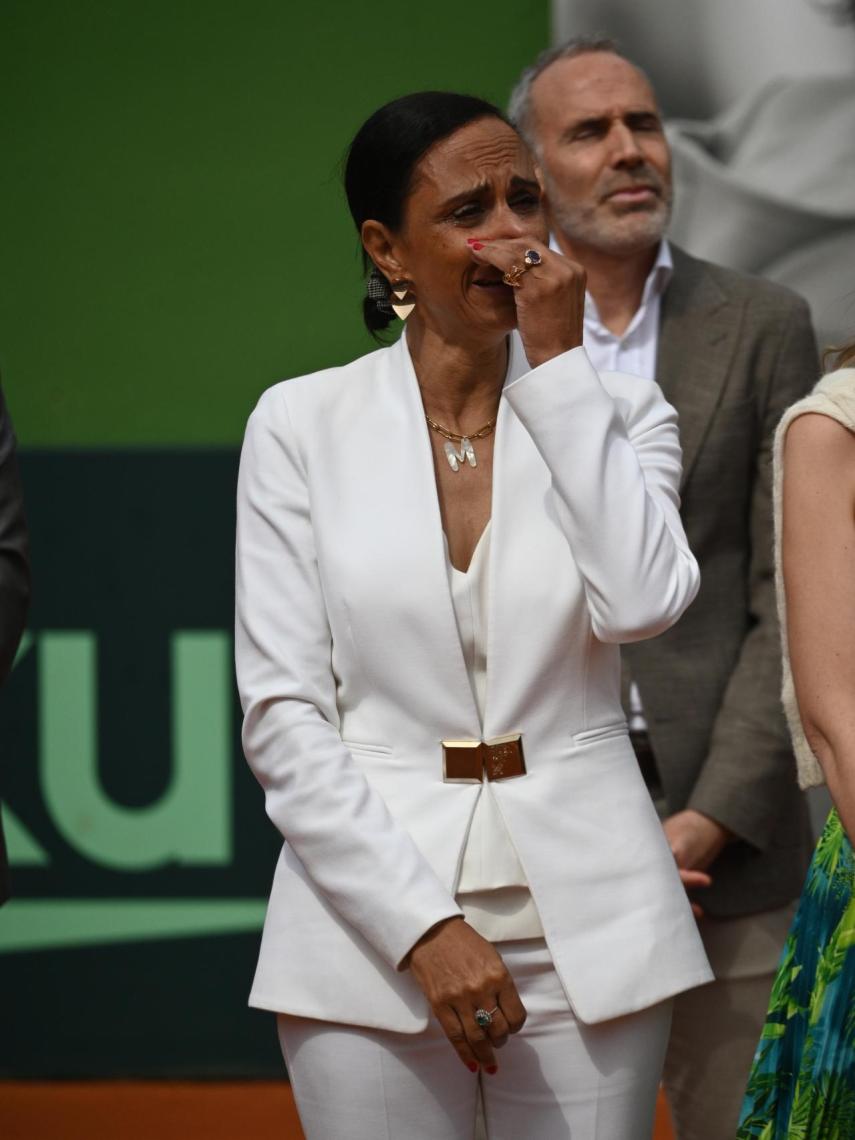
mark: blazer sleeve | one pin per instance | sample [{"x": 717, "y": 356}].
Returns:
[
  {"x": 14, "y": 549},
  {"x": 750, "y": 763},
  {"x": 366, "y": 866},
  {"x": 612, "y": 447}
]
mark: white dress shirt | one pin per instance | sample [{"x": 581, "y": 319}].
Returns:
[{"x": 635, "y": 350}]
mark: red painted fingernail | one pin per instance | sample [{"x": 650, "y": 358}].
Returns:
[
  {"x": 492, "y": 1069},
  {"x": 473, "y": 241},
  {"x": 477, "y": 244},
  {"x": 471, "y": 1066}
]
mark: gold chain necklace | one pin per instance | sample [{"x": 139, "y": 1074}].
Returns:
[{"x": 456, "y": 455}]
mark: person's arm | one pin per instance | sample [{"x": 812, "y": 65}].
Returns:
[
  {"x": 738, "y": 791},
  {"x": 612, "y": 447},
  {"x": 14, "y": 550},
  {"x": 818, "y": 552},
  {"x": 367, "y": 866}
]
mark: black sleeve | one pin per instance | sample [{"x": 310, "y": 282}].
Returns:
[{"x": 14, "y": 548}]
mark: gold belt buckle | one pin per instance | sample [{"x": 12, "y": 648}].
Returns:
[{"x": 468, "y": 761}]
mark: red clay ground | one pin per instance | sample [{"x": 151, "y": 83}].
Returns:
[{"x": 161, "y": 1110}]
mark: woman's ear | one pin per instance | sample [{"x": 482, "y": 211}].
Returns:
[{"x": 379, "y": 243}]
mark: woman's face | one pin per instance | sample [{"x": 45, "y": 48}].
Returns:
[{"x": 478, "y": 183}]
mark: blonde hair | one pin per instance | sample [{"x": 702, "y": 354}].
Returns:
[{"x": 838, "y": 356}]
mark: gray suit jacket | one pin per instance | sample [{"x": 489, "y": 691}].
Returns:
[
  {"x": 14, "y": 573},
  {"x": 734, "y": 352}
]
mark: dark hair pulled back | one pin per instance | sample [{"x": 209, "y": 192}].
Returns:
[{"x": 380, "y": 164}]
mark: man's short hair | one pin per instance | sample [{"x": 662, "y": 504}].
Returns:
[{"x": 519, "y": 104}]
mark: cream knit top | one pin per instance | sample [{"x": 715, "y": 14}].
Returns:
[{"x": 833, "y": 396}]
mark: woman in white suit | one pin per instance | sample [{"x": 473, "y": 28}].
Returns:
[{"x": 440, "y": 548}]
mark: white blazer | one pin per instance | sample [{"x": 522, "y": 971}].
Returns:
[{"x": 351, "y": 672}]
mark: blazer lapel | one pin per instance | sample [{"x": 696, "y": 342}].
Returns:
[
  {"x": 698, "y": 334},
  {"x": 421, "y": 530},
  {"x": 530, "y": 565}
]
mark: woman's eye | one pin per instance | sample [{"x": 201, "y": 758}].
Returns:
[
  {"x": 465, "y": 213},
  {"x": 526, "y": 202}
]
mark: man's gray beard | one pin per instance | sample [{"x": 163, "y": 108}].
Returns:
[{"x": 635, "y": 231}]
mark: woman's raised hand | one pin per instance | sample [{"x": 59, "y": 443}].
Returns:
[
  {"x": 460, "y": 972},
  {"x": 549, "y": 295}
]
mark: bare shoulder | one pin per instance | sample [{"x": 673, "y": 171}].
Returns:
[
  {"x": 819, "y": 464},
  {"x": 818, "y": 438}
]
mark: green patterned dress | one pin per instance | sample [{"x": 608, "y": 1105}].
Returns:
[{"x": 802, "y": 1083}]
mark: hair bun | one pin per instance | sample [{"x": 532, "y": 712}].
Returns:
[
  {"x": 376, "y": 309},
  {"x": 375, "y": 318}
]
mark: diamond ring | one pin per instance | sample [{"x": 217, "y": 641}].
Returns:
[{"x": 484, "y": 1017}]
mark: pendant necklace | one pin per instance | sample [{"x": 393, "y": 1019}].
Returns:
[{"x": 465, "y": 450}]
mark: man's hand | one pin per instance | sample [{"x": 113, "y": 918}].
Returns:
[
  {"x": 691, "y": 880},
  {"x": 695, "y": 841}
]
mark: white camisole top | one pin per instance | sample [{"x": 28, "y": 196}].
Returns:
[{"x": 492, "y": 890}]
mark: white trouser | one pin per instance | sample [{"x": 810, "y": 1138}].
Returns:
[{"x": 558, "y": 1079}]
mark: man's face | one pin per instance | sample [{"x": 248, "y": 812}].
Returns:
[{"x": 604, "y": 160}]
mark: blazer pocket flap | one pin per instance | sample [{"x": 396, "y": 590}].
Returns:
[
  {"x": 604, "y": 732},
  {"x": 367, "y": 749}
]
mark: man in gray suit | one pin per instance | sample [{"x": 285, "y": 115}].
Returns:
[
  {"x": 731, "y": 353},
  {"x": 14, "y": 575}
]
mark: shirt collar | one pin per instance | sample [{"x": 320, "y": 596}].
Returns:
[
  {"x": 654, "y": 285},
  {"x": 659, "y": 275}
]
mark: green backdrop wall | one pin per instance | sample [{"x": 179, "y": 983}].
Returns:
[
  {"x": 174, "y": 240},
  {"x": 174, "y": 234}
]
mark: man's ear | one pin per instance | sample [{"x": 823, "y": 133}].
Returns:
[
  {"x": 544, "y": 197},
  {"x": 380, "y": 245}
]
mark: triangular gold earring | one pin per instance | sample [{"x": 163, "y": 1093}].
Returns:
[{"x": 402, "y": 311}]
